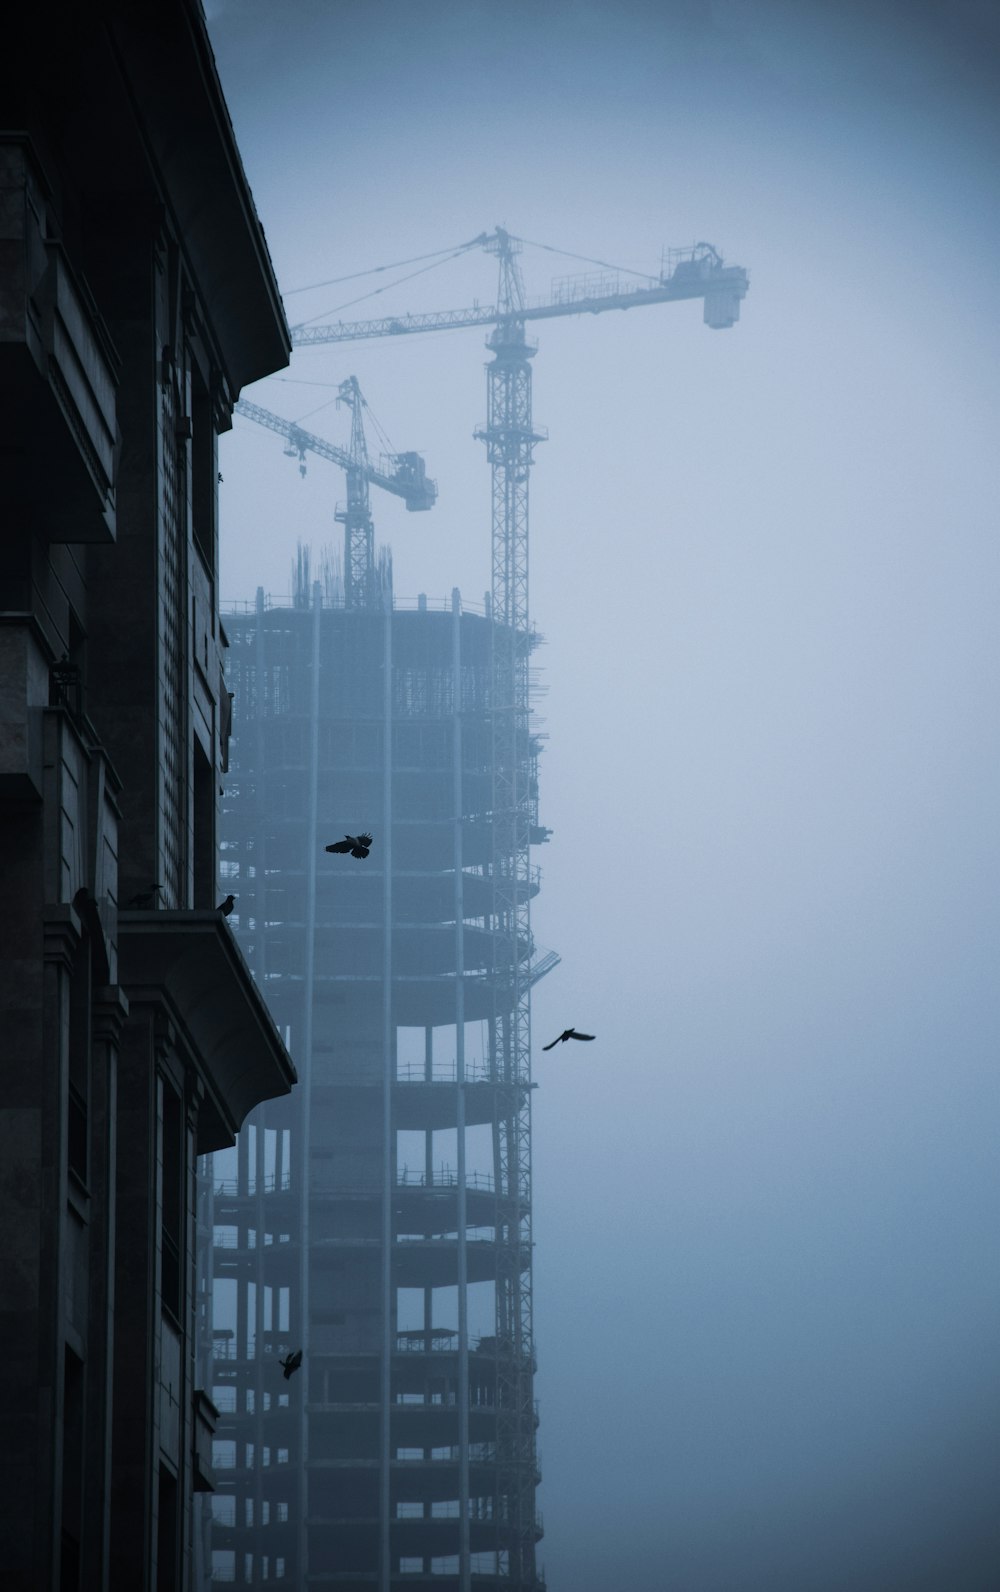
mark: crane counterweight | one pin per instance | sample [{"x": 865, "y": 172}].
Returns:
[{"x": 410, "y": 471}]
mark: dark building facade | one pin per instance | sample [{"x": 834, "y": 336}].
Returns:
[
  {"x": 136, "y": 298},
  {"x": 379, "y": 1218}
]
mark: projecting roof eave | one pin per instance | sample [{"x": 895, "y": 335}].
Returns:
[
  {"x": 190, "y": 962},
  {"x": 171, "y": 69}
]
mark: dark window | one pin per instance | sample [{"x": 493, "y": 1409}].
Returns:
[
  {"x": 79, "y": 1063},
  {"x": 204, "y": 471},
  {"x": 166, "y": 1534},
  {"x": 171, "y": 1218},
  {"x": 204, "y": 831},
  {"x": 72, "y": 1473}
]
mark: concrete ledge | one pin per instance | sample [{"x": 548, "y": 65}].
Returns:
[{"x": 190, "y": 963}]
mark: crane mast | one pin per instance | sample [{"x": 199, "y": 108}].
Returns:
[
  {"x": 510, "y": 438},
  {"x": 356, "y": 516}
]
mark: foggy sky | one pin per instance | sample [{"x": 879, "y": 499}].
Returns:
[{"x": 765, "y": 564}]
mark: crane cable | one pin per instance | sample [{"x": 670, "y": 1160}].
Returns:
[
  {"x": 626, "y": 270},
  {"x": 380, "y": 431},
  {"x": 441, "y": 257},
  {"x": 463, "y": 249},
  {"x": 310, "y": 412},
  {"x": 394, "y": 265}
]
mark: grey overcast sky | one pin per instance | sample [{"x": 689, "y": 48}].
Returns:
[{"x": 765, "y": 563}]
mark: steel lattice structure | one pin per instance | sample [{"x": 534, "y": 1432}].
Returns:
[{"x": 510, "y": 439}]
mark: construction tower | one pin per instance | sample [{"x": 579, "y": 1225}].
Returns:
[{"x": 379, "y": 1218}]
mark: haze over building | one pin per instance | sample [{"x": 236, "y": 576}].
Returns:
[{"x": 765, "y": 1288}]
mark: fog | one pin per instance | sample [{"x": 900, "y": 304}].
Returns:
[{"x": 765, "y": 564}]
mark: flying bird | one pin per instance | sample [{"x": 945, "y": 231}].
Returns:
[
  {"x": 568, "y": 1033},
  {"x": 225, "y": 907},
  {"x": 145, "y": 898},
  {"x": 357, "y": 845},
  {"x": 291, "y": 1363}
]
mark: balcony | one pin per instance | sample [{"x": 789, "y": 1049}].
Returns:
[{"x": 189, "y": 964}]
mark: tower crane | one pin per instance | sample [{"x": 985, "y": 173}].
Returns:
[
  {"x": 510, "y": 438},
  {"x": 698, "y": 272},
  {"x": 403, "y": 474}
]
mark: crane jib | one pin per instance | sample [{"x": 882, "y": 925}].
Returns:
[
  {"x": 406, "y": 479},
  {"x": 721, "y": 287}
]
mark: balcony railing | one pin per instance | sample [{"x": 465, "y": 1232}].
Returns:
[
  {"x": 233, "y": 1188},
  {"x": 444, "y": 1177},
  {"x": 420, "y": 1341},
  {"x": 480, "y": 1453},
  {"x": 477, "y": 1070}
]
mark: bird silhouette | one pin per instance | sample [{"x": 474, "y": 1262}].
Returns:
[
  {"x": 291, "y": 1363},
  {"x": 225, "y": 907},
  {"x": 568, "y": 1033},
  {"x": 357, "y": 845},
  {"x": 145, "y": 898}
]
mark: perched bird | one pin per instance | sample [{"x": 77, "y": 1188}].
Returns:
[
  {"x": 145, "y": 898},
  {"x": 291, "y": 1363},
  {"x": 567, "y": 1033},
  {"x": 225, "y": 907},
  {"x": 357, "y": 845}
]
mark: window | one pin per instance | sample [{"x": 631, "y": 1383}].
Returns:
[
  {"x": 72, "y": 1473},
  {"x": 223, "y": 1564},
  {"x": 224, "y": 1509},
  {"x": 171, "y": 1200},
  {"x": 78, "y": 1100},
  {"x": 204, "y": 469},
  {"x": 166, "y": 1534},
  {"x": 204, "y": 830}
]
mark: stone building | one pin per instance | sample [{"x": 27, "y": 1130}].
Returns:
[{"x": 136, "y": 299}]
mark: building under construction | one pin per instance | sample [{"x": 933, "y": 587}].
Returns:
[{"x": 379, "y": 1218}]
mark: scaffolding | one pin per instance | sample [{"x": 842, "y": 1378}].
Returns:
[{"x": 379, "y": 1217}]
